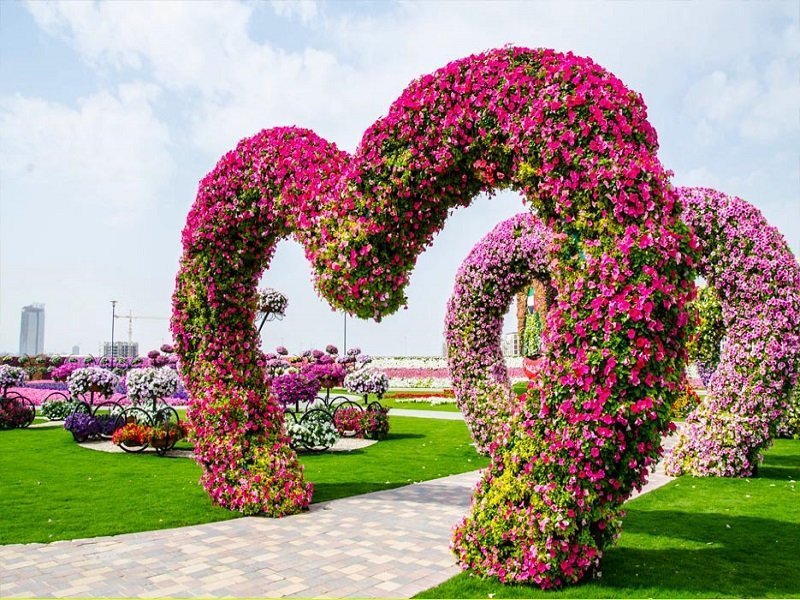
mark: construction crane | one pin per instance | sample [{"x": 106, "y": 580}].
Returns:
[{"x": 131, "y": 317}]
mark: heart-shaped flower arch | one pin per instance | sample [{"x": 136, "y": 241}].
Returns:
[{"x": 556, "y": 127}]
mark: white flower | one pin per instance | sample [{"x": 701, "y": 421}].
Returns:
[{"x": 151, "y": 383}]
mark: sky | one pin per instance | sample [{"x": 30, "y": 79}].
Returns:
[{"x": 111, "y": 113}]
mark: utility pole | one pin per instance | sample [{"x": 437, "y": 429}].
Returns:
[{"x": 113, "y": 322}]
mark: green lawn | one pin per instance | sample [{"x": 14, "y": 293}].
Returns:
[
  {"x": 708, "y": 537},
  {"x": 52, "y": 489},
  {"x": 391, "y": 403}
]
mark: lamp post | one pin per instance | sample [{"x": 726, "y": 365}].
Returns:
[
  {"x": 113, "y": 321},
  {"x": 344, "y": 352}
]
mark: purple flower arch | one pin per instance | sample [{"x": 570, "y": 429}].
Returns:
[
  {"x": 499, "y": 265},
  {"x": 757, "y": 279},
  {"x": 576, "y": 142}
]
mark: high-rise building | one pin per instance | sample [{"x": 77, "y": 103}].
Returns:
[
  {"x": 31, "y": 330},
  {"x": 121, "y": 349},
  {"x": 76, "y": 349},
  {"x": 510, "y": 344}
]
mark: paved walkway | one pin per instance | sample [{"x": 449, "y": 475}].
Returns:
[{"x": 392, "y": 543}]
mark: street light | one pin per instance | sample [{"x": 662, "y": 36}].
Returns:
[
  {"x": 113, "y": 321},
  {"x": 344, "y": 352}
]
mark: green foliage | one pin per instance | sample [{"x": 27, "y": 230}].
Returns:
[
  {"x": 686, "y": 401},
  {"x": 710, "y": 328},
  {"x": 532, "y": 334}
]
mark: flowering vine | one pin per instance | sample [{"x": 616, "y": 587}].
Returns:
[
  {"x": 576, "y": 143},
  {"x": 757, "y": 279}
]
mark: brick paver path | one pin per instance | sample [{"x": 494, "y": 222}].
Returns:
[{"x": 392, "y": 543}]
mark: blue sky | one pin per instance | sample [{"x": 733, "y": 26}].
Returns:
[{"x": 111, "y": 113}]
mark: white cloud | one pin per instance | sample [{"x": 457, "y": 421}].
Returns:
[
  {"x": 109, "y": 154},
  {"x": 305, "y": 10}
]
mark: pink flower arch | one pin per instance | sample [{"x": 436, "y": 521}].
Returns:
[
  {"x": 757, "y": 279},
  {"x": 576, "y": 143}
]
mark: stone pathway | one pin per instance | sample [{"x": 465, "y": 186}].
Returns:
[{"x": 392, "y": 543}]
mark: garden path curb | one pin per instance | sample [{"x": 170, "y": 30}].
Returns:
[{"x": 392, "y": 543}]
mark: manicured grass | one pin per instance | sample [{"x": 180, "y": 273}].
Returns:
[
  {"x": 391, "y": 403},
  {"x": 709, "y": 537},
  {"x": 52, "y": 489}
]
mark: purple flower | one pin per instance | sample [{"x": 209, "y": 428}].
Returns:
[
  {"x": 331, "y": 349},
  {"x": 294, "y": 388},
  {"x": 282, "y": 350}
]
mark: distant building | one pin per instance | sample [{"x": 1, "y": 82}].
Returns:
[
  {"x": 121, "y": 349},
  {"x": 510, "y": 344},
  {"x": 76, "y": 349},
  {"x": 31, "y": 330}
]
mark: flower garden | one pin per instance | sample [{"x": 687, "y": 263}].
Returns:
[{"x": 618, "y": 247}]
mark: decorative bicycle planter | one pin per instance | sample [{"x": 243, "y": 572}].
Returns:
[
  {"x": 16, "y": 411},
  {"x": 339, "y": 414},
  {"x": 94, "y": 421},
  {"x": 156, "y": 426}
]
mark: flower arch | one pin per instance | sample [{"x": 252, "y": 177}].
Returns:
[
  {"x": 757, "y": 278},
  {"x": 500, "y": 264},
  {"x": 576, "y": 142}
]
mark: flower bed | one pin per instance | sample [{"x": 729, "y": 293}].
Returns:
[{"x": 430, "y": 371}]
